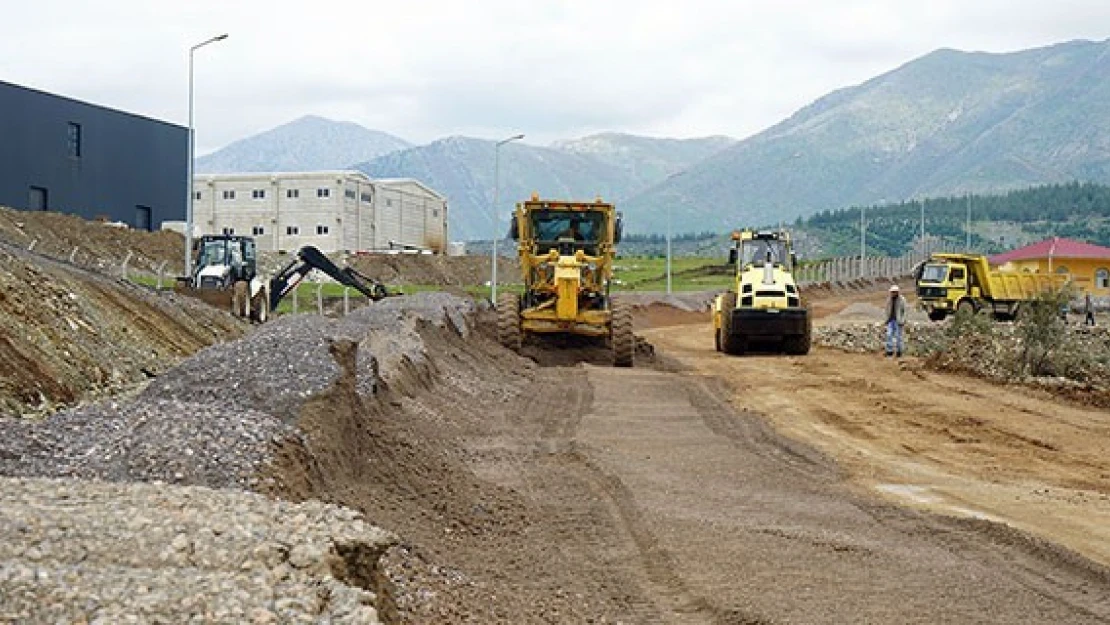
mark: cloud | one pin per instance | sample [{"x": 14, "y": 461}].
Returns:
[{"x": 552, "y": 69}]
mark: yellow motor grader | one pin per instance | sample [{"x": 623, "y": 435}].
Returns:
[
  {"x": 566, "y": 253},
  {"x": 764, "y": 305}
]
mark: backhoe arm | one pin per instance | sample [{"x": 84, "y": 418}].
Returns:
[{"x": 309, "y": 258}]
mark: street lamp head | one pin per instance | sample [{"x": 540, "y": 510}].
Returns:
[
  {"x": 208, "y": 41},
  {"x": 512, "y": 138}
]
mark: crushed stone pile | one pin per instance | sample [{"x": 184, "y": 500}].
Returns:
[
  {"x": 95, "y": 552},
  {"x": 1080, "y": 357},
  {"x": 212, "y": 419}
]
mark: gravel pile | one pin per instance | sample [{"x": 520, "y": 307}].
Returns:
[
  {"x": 213, "y": 419},
  {"x": 94, "y": 552},
  {"x": 170, "y": 552},
  {"x": 870, "y": 336},
  {"x": 1080, "y": 355}
]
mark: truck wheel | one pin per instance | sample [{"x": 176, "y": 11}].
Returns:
[
  {"x": 965, "y": 307},
  {"x": 621, "y": 335},
  {"x": 937, "y": 315},
  {"x": 508, "y": 321},
  {"x": 732, "y": 341}
]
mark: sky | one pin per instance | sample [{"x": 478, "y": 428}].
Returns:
[{"x": 426, "y": 69}]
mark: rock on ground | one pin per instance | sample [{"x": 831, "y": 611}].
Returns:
[{"x": 97, "y": 552}]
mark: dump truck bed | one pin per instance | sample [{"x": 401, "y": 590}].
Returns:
[{"x": 1015, "y": 286}]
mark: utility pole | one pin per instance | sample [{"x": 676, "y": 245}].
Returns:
[
  {"x": 862, "y": 241},
  {"x": 924, "y": 250},
  {"x": 967, "y": 226}
]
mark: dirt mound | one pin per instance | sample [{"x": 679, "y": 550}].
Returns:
[
  {"x": 68, "y": 334},
  {"x": 92, "y": 244},
  {"x": 428, "y": 269}
]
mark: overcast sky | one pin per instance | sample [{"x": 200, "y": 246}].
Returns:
[{"x": 424, "y": 69}]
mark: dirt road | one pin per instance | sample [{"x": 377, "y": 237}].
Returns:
[
  {"x": 659, "y": 494},
  {"x": 945, "y": 443}
]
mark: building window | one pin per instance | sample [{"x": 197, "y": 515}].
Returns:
[
  {"x": 258, "y": 194},
  {"x": 258, "y": 231},
  {"x": 321, "y": 229},
  {"x": 323, "y": 192},
  {"x": 389, "y": 203},
  {"x": 229, "y": 231},
  {"x": 366, "y": 198},
  {"x": 349, "y": 194},
  {"x": 1102, "y": 278},
  {"x": 435, "y": 212},
  {"x": 74, "y": 140},
  {"x": 196, "y": 195},
  {"x": 292, "y": 193},
  {"x": 292, "y": 230},
  {"x": 1062, "y": 269},
  {"x": 229, "y": 194}
]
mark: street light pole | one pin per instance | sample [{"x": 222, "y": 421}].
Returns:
[
  {"x": 189, "y": 167},
  {"x": 493, "y": 213}
]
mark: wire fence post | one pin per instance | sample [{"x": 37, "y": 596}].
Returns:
[
  {"x": 346, "y": 301},
  {"x": 296, "y": 296},
  {"x": 320, "y": 297},
  {"x": 161, "y": 274},
  {"x": 73, "y": 253},
  {"x": 123, "y": 266},
  {"x": 31, "y": 247}
]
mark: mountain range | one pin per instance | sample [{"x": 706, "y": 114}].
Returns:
[
  {"x": 610, "y": 166},
  {"x": 305, "y": 144},
  {"x": 947, "y": 123}
]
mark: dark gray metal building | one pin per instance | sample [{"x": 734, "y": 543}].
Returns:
[{"x": 69, "y": 156}]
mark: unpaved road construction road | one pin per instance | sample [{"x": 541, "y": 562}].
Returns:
[
  {"x": 713, "y": 517},
  {"x": 831, "y": 488}
]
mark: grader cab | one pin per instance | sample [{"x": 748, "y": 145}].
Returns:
[{"x": 566, "y": 254}]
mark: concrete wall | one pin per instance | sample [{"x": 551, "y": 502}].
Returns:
[{"x": 124, "y": 161}]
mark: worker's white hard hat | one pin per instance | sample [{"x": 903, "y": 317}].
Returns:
[{"x": 894, "y": 288}]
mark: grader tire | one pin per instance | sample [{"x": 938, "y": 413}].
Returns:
[
  {"x": 731, "y": 342},
  {"x": 621, "y": 335},
  {"x": 508, "y": 321}
]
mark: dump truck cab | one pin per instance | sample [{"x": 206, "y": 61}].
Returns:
[
  {"x": 566, "y": 251},
  {"x": 764, "y": 303},
  {"x": 942, "y": 284}
]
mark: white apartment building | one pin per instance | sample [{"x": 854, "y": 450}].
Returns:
[{"x": 331, "y": 210}]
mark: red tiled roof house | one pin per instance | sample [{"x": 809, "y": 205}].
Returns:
[{"x": 1089, "y": 265}]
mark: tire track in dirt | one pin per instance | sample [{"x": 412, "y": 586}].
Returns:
[{"x": 676, "y": 599}]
